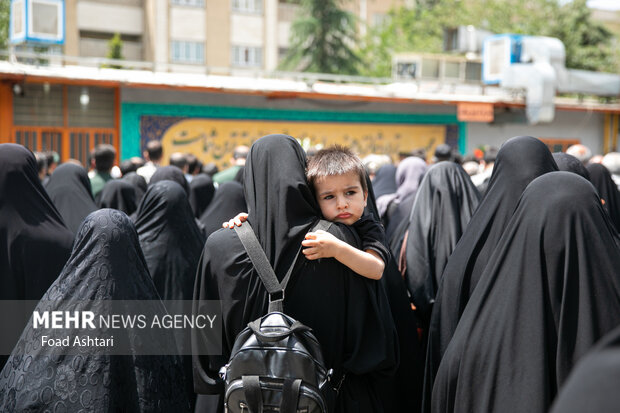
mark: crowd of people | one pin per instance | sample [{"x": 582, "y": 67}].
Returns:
[{"x": 445, "y": 283}]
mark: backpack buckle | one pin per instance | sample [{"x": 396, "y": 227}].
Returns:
[{"x": 277, "y": 296}]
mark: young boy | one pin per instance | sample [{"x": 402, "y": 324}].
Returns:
[{"x": 338, "y": 178}]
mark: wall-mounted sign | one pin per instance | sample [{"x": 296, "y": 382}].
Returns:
[{"x": 474, "y": 112}]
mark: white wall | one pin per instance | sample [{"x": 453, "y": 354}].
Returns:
[
  {"x": 187, "y": 24},
  {"x": 110, "y": 18},
  {"x": 246, "y": 30},
  {"x": 585, "y": 126}
]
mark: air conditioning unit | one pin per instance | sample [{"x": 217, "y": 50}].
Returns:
[{"x": 37, "y": 21}]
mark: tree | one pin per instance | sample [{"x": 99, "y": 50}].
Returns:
[
  {"x": 323, "y": 39},
  {"x": 587, "y": 43},
  {"x": 5, "y": 12},
  {"x": 115, "y": 49},
  {"x": 421, "y": 30}
]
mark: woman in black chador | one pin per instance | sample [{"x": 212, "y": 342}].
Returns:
[
  {"x": 139, "y": 184},
  {"x": 172, "y": 244},
  {"x": 201, "y": 191},
  {"x": 170, "y": 173},
  {"x": 593, "y": 384},
  {"x": 34, "y": 241},
  {"x": 69, "y": 189},
  {"x": 519, "y": 161},
  {"x": 443, "y": 206},
  {"x": 227, "y": 202},
  {"x": 349, "y": 314},
  {"x": 106, "y": 264},
  {"x": 170, "y": 240},
  {"x": 569, "y": 163},
  {"x": 607, "y": 190},
  {"x": 118, "y": 194},
  {"x": 549, "y": 291}
]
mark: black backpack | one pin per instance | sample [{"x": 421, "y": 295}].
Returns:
[{"x": 276, "y": 364}]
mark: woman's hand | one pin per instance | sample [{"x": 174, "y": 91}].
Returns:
[{"x": 242, "y": 217}]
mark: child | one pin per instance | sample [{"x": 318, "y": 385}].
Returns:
[{"x": 338, "y": 178}]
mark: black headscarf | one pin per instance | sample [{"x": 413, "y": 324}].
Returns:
[
  {"x": 607, "y": 190},
  {"x": 170, "y": 240},
  {"x": 349, "y": 314},
  {"x": 170, "y": 173},
  {"x": 227, "y": 203},
  {"x": 444, "y": 204},
  {"x": 139, "y": 184},
  {"x": 201, "y": 191},
  {"x": 34, "y": 241},
  {"x": 92, "y": 381},
  {"x": 385, "y": 181},
  {"x": 569, "y": 163},
  {"x": 118, "y": 194},
  {"x": 593, "y": 384},
  {"x": 69, "y": 189},
  {"x": 550, "y": 290},
  {"x": 519, "y": 161}
]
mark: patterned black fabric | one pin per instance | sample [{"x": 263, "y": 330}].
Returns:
[{"x": 106, "y": 264}]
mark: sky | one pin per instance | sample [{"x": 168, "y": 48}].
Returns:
[{"x": 604, "y": 4}]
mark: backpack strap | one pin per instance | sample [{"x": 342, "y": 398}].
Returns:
[
  {"x": 261, "y": 263},
  {"x": 252, "y": 392}
]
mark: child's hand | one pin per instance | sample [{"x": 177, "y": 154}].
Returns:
[
  {"x": 242, "y": 217},
  {"x": 320, "y": 244}
]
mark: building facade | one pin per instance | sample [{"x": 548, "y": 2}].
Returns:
[{"x": 187, "y": 35}]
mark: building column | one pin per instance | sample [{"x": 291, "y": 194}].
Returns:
[{"x": 271, "y": 35}]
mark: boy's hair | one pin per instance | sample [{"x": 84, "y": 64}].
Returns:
[{"x": 335, "y": 160}]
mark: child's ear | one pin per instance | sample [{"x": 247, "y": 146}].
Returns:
[{"x": 365, "y": 197}]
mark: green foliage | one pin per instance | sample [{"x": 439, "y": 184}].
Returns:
[
  {"x": 588, "y": 44},
  {"x": 5, "y": 11},
  {"x": 323, "y": 38},
  {"x": 115, "y": 49}
]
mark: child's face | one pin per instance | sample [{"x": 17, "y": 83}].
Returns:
[{"x": 341, "y": 197}]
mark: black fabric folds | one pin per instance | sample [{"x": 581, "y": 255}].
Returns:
[
  {"x": 593, "y": 384},
  {"x": 349, "y": 314},
  {"x": 139, "y": 184},
  {"x": 106, "y": 264},
  {"x": 170, "y": 173},
  {"x": 444, "y": 204},
  {"x": 549, "y": 292},
  {"x": 519, "y": 161},
  {"x": 69, "y": 189},
  {"x": 228, "y": 201},
  {"x": 401, "y": 392},
  {"x": 201, "y": 191},
  {"x": 385, "y": 181},
  {"x": 34, "y": 241},
  {"x": 120, "y": 195},
  {"x": 607, "y": 190},
  {"x": 170, "y": 240},
  {"x": 569, "y": 163}
]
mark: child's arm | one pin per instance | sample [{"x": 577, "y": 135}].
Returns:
[{"x": 321, "y": 244}]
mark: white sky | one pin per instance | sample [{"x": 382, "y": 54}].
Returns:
[{"x": 604, "y": 4}]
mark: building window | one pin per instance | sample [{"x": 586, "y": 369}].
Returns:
[
  {"x": 247, "y": 6},
  {"x": 187, "y": 52},
  {"x": 243, "y": 56},
  {"x": 193, "y": 3}
]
